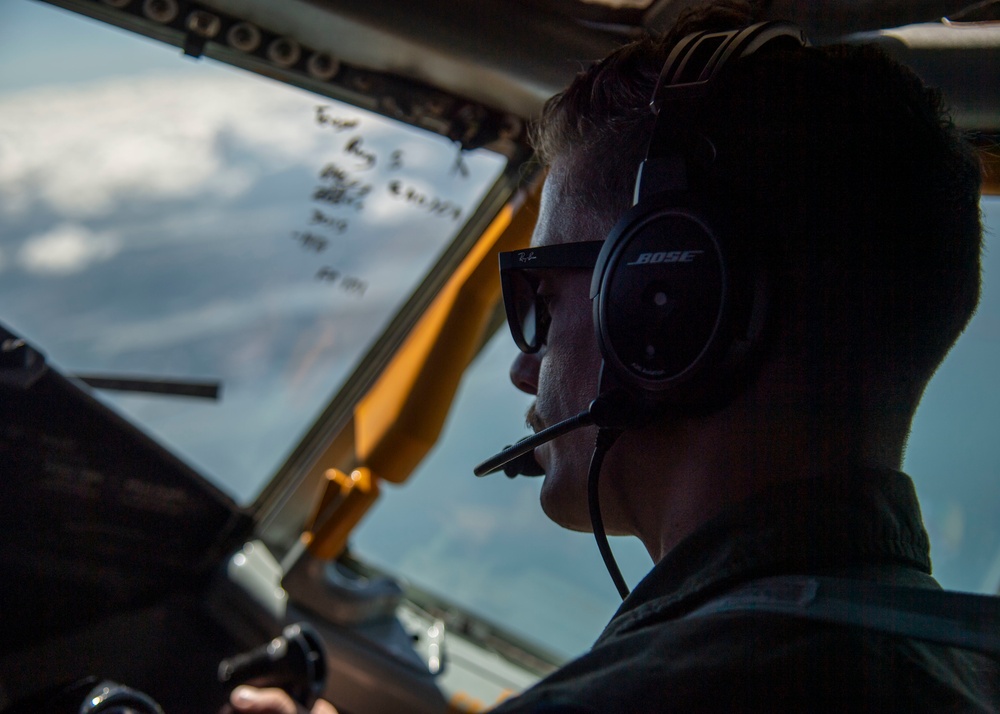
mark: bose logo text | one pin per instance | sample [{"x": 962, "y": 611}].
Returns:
[{"x": 674, "y": 256}]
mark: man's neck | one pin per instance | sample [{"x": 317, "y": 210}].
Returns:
[{"x": 678, "y": 475}]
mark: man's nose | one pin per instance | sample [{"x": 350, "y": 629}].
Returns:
[{"x": 524, "y": 371}]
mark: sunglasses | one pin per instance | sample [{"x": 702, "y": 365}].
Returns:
[{"x": 527, "y": 313}]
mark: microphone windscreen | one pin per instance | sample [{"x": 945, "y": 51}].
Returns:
[
  {"x": 524, "y": 465},
  {"x": 528, "y": 444}
]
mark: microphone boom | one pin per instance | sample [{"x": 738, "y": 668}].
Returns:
[{"x": 495, "y": 463}]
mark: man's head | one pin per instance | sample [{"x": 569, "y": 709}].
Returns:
[{"x": 836, "y": 166}]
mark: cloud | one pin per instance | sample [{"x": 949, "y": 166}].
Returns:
[
  {"x": 476, "y": 524},
  {"x": 87, "y": 150},
  {"x": 235, "y": 315},
  {"x": 67, "y": 248}
]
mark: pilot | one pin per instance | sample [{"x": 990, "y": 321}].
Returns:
[{"x": 759, "y": 330}]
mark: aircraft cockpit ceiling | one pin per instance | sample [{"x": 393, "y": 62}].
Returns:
[{"x": 476, "y": 70}]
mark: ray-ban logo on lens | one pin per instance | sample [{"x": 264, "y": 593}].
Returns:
[{"x": 673, "y": 256}]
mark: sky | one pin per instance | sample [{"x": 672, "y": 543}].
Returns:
[
  {"x": 157, "y": 218},
  {"x": 161, "y": 219}
]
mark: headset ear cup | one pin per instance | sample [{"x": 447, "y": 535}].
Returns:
[
  {"x": 664, "y": 303},
  {"x": 750, "y": 330}
]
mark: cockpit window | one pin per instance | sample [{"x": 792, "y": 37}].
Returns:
[
  {"x": 172, "y": 219},
  {"x": 952, "y": 453}
]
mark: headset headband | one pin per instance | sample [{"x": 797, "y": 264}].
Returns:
[{"x": 684, "y": 81}]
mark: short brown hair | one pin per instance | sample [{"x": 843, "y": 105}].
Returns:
[{"x": 837, "y": 163}]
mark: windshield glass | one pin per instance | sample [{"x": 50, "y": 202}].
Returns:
[{"x": 169, "y": 218}]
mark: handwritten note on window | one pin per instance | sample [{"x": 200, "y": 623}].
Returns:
[{"x": 364, "y": 172}]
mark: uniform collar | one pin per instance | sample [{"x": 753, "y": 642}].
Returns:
[{"x": 814, "y": 526}]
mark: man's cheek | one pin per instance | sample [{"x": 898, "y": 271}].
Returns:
[{"x": 555, "y": 396}]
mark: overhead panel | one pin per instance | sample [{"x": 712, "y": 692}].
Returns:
[{"x": 300, "y": 44}]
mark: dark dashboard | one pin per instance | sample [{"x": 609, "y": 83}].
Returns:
[{"x": 108, "y": 544}]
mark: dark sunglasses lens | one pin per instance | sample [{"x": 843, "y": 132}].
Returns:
[
  {"x": 521, "y": 310},
  {"x": 529, "y": 325}
]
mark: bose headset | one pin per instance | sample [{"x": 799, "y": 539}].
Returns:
[
  {"x": 679, "y": 303},
  {"x": 679, "y": 306}
]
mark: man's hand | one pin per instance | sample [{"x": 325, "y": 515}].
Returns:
[{"x": 272, "y": 701}]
